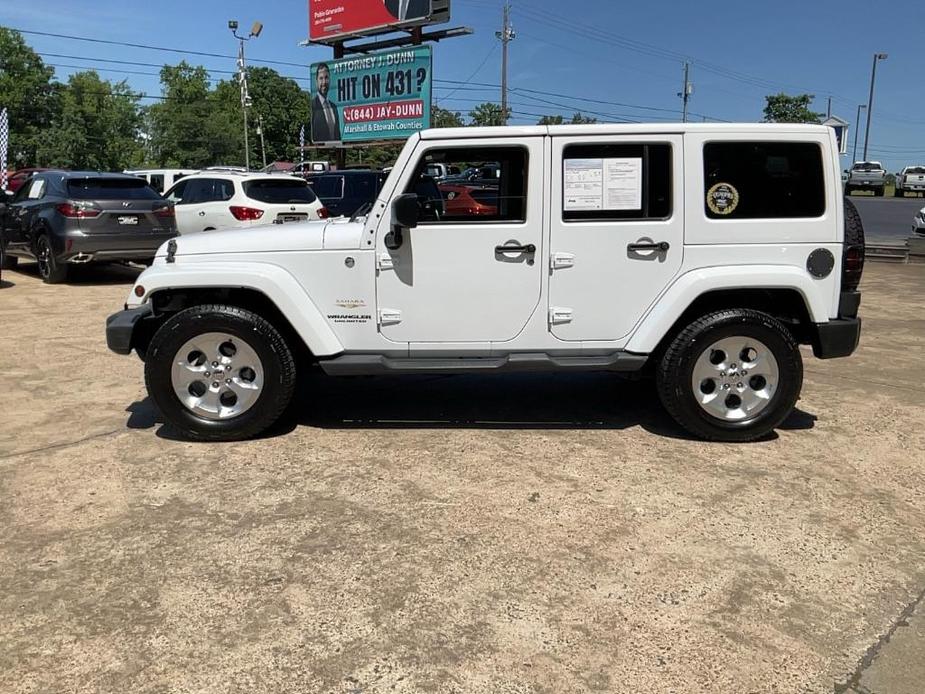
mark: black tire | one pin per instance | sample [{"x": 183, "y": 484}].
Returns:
[
  {"x": 7, "y": 261},
  {"x": 270, "y": 346},
  {"x": 878, "y": 193},
  {"x": 675, "y": 368},
  {"x": 897, "y": 193},
  {"x": 848, "y": 190},
  {"x": 854, "y": 228},
  {"x": 50, "y": 269}
]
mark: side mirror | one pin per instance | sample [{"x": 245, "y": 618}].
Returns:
[{"x": 406, "y": 211}]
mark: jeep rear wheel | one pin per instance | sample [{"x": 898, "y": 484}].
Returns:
[
  {"x": 733, "y": 375},
  {"x": 219, "y": 373}
]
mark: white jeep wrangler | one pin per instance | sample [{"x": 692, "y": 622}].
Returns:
[{"x": 701, "y": 254}]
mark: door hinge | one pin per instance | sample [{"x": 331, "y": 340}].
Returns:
[
  {"x": 389, "y": 316},
  {"x": 385, "y": 262},
  {"x": 557, "y": 261},
  {"x": 558, "y": 315}
]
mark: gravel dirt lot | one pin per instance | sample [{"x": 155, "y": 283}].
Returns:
[{"x": 462, "y": 534}]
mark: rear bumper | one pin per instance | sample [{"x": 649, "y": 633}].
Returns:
[
  {"x": 103, "y": 247},
  {"x": 121, "y": 327},
  {"x": 837, "y": 338}
]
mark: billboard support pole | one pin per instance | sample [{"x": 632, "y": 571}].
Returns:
[{"x": 340, "y": 153}]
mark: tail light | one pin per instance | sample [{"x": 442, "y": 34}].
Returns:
[
  {"x": 165, "y": 212},
  {"x": 245, "y": 214},
  {"x": 323, "y": 213},
  {"x": 852, "y": 268},
  {"x": 73, "y": 210}
]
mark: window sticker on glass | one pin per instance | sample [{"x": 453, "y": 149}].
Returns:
[
  {"x": 584, "y": 184},
  {"x": 623, "y": 184},
  {"x": 603, "y": 184}
]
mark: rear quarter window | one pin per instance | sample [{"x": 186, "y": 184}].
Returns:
[
  {"x": 328, "y": 186},
  {"x": 110, "y": 189},
  {"x": 763, "y": 180},
  {"x": 279, "y": 191}
]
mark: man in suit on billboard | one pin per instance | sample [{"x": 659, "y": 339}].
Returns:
[
  {"x": 407, "y": 10},
  {"x": 325, "y": 121}
]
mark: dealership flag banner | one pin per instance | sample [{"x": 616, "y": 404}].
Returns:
[
  {"x": 382, "y": 96},
  {"x": 4, "y": 146}
]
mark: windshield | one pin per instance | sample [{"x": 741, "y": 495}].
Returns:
[
  {"x": 110, "y": 189},
  {"x": 279, "y": 191},
  {"x": 916, "y": 170},
  {"x": 867, "y": 166}
]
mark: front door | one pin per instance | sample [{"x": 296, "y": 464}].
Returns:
[
  {"x": 471, "y": 271},
  {"x": 617, "y": 231}
]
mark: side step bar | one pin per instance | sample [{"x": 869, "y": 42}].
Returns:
[{"x": 376, "y": 364}]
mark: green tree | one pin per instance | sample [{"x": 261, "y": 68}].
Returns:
[
  {"x": 181, "y": 128},
  {"x": 28, "y": 94},
  {"x": 783, "y": 108},
  {"x": 97, "y": 126},
  {"x": 488, "y": 114},
  {"x": 278, "y": 102},
  {"x": 443, "y": 118}
]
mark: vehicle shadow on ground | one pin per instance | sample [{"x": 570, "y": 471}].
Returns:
[
  {"x": 4, "y": 284},
  {"x": 89, "y": 275},
  {"x": 509, "y": 402}
]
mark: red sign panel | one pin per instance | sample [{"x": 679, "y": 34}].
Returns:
[{"x": 329, "y": 20}]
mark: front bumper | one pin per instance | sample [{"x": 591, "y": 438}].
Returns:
[{"x": 121, "y": 327}]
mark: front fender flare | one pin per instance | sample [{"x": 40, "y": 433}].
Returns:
[
  {"x": 273, "y": 281},
  {"x": 689, "y": 286}
]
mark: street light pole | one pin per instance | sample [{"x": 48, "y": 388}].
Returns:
[
  {"x": 870, "y": 100},
  {"x": 857, "y": 127},
  {"x": 242, "y": 78}
]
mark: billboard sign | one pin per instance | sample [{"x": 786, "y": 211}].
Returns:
[
  {"x": 335, "y": 20},
  {"x": 381, "y": 96}
]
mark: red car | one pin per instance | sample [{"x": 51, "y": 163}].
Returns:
[
  {"x": 469, "y": 201},
  {"x": 17, "y": 178}
]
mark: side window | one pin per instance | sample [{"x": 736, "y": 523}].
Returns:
[
  {"x": 201, "y": 190},
  {"x": 177, "y": 192},
  {"x": 612, "y": 182},
  {"x": 23, "y": 191},
  {"x": 492, "y": 189},
  {"x": 763, "y": 180},
  {"x": 37, "y": 188},
  {"x": 157, "y": 182}
]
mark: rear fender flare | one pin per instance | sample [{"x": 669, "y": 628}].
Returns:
[{"x": 688, "y": 287}]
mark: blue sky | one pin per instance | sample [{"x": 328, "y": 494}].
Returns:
[{"x": 626, "y": 53}]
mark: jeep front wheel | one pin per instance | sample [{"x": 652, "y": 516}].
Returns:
[
  {"x": 733, "y": 375},
  {"x": 219, "y": 373}
]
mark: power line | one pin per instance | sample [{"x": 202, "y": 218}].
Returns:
[{"x": 151, "y": 48}]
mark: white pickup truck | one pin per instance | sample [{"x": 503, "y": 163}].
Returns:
[
  {"x": 910, "y": 180},
  {"x": 702, "y": 255}
]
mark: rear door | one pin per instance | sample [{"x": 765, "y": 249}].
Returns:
[
  {"x": 203, "y": 204},
  {"x": 617, "y": 231}
]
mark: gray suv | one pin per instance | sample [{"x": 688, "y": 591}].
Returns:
[{"x": 63, "y": 218}]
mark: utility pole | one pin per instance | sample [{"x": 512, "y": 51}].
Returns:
[
  {"x": 828, "y": 110},
  {"x": 242, "y": 79},
  {"x": 263, "y": 146},
  {"x": 870, "y": 100},
  {"x": 506, "y": 35},
  {"x": 857, "y": 127},
  {"x": 686, "y": 90}
]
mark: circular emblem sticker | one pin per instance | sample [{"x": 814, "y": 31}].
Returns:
[{"x": 722, "y": 199}]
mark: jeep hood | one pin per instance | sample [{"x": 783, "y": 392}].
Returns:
[{"x": 268, "y": 238}]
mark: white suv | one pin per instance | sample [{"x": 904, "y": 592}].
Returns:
[
  {"x": 212, "y": 200},
  {"x": 703, "y": 255}
]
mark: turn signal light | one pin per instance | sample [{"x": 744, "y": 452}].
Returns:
[
  {"x": 165, "y": 212},
  {"x": 852, "y": 268},
  {"x": 324, "y": 213},
  {"x": 245, "y": 214},
  {"x": 72, "y": 211}
]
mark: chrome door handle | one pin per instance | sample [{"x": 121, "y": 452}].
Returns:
[
  {"x": 528, "y": 248},
  {"x": 660, "y": 246}
]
